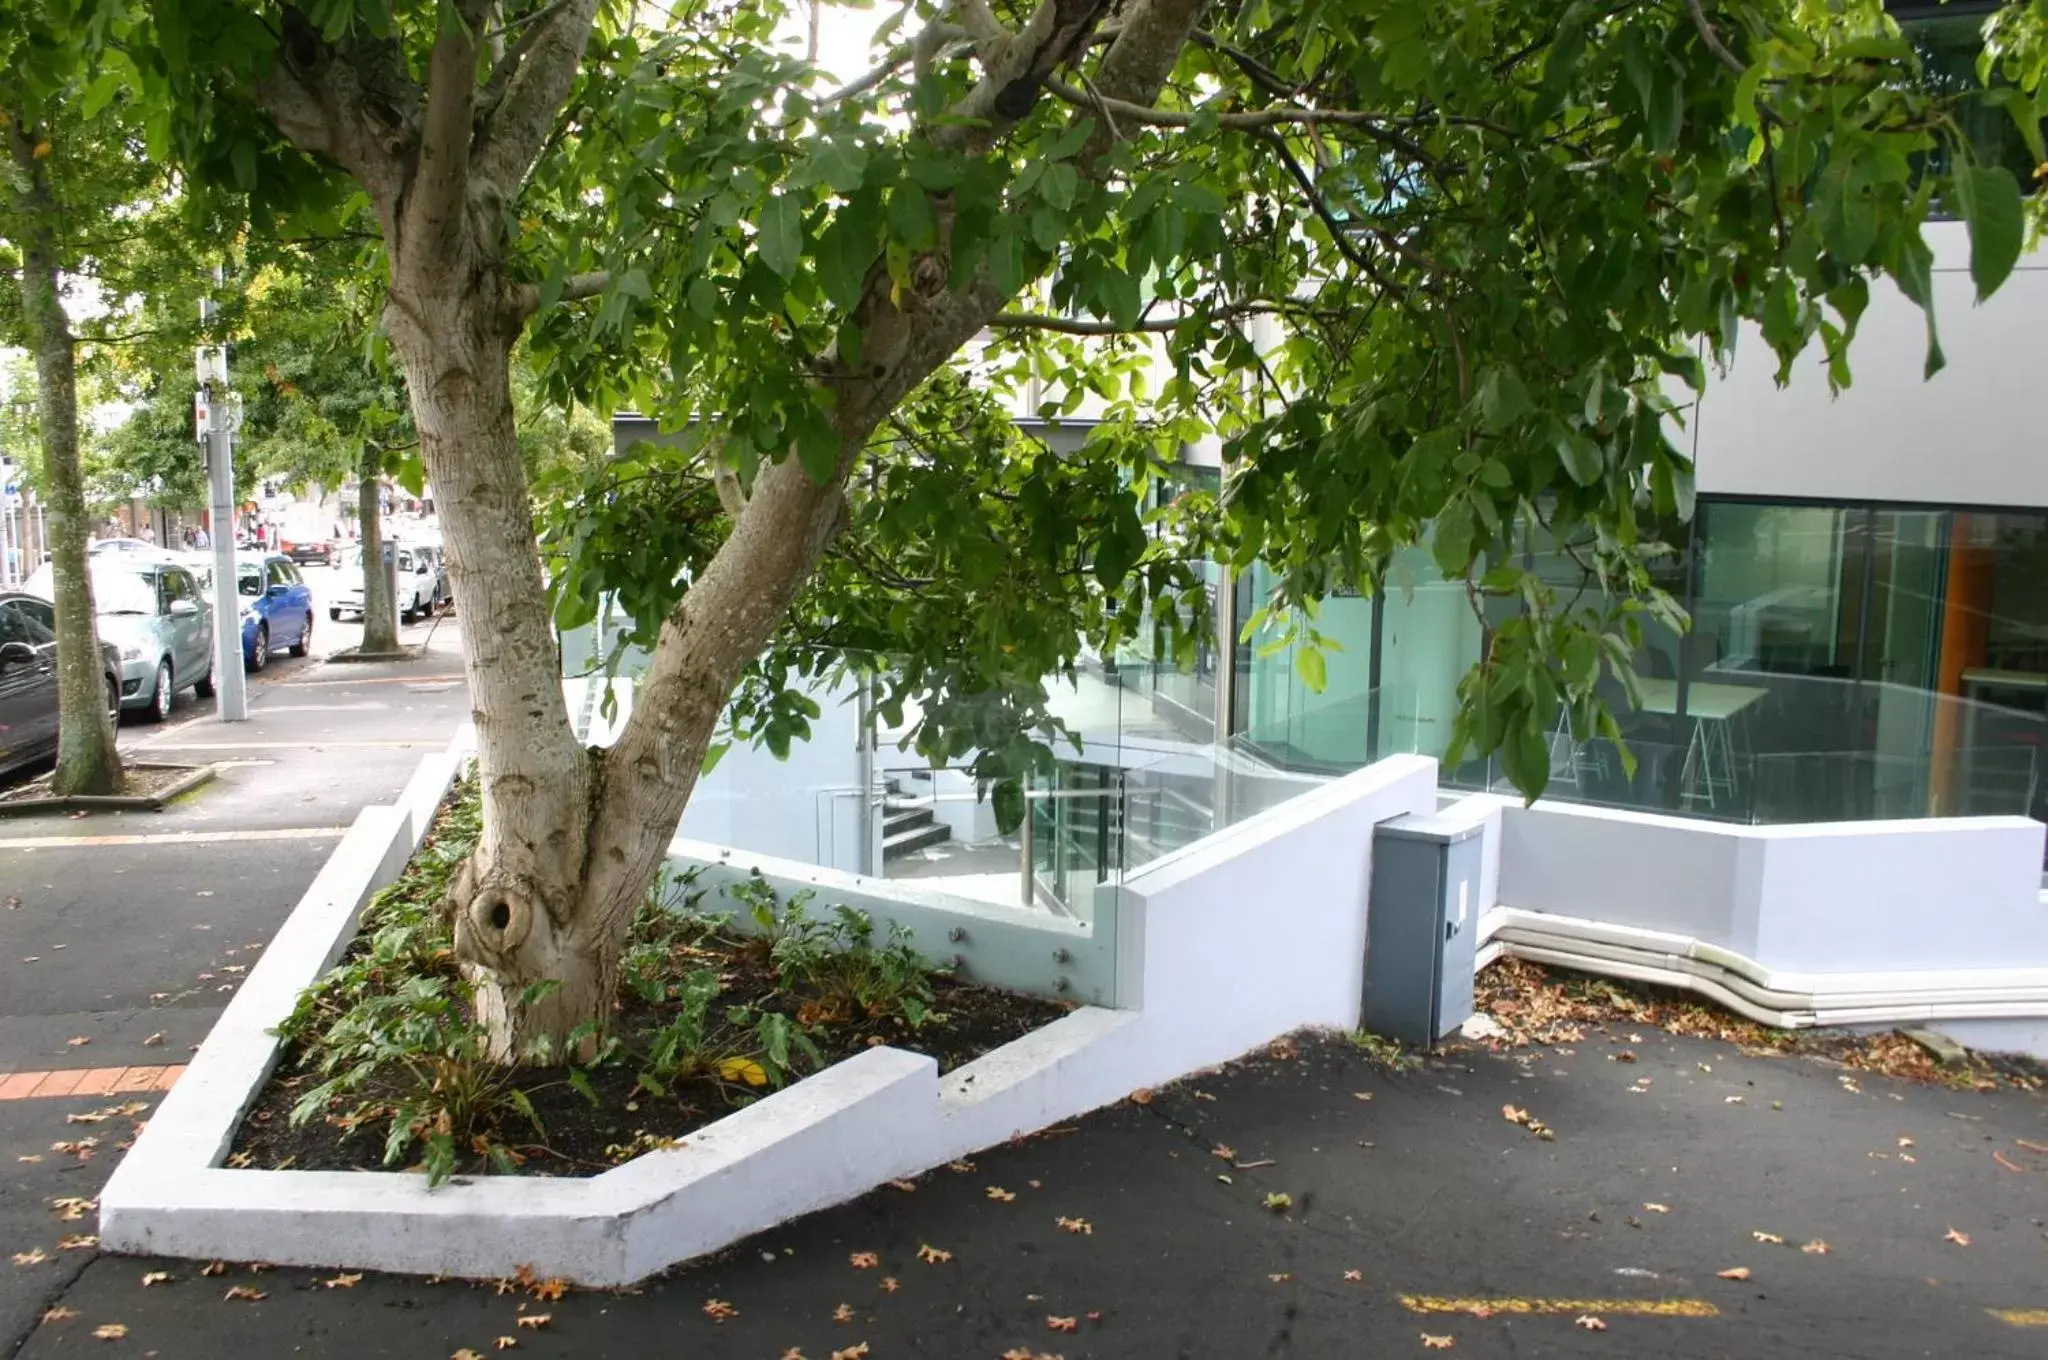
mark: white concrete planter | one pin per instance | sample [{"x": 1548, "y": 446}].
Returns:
[{"x": 1269, "y": 913}]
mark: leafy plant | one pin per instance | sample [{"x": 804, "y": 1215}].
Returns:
[{"x": 835, "y": 959}]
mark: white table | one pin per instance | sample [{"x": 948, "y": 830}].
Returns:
[{"x": 1712, "y": 706}]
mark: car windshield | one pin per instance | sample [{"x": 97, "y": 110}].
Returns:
[
  {"x": 249, "y": 579},
  {"x": 123, "y": 590}
]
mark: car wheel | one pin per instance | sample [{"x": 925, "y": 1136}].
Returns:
[
  {"x": 305, "y": 642},
  {"x": 204, "y": 686},
  {"x": 334, "y": 614},
  {"x": 407, "y": 614},
  {"x": 259, "y": 650},
  {"x": 114, "y": 699},
  {"x": 160, "y": 698}
]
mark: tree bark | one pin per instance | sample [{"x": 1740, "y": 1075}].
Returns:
[
  {"x": 380, "y": 622},
  {"x": 87, "y": 760}
]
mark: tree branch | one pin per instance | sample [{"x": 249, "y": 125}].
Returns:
[
  {"x": 519, "y": 121},
  {"x": 1067, "y": 325},
  {"x": 1713, "y": 39},
  {"x": 523, "y": 299},
  {"x": 437, "y": 198}
]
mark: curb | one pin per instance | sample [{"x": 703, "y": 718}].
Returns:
[
  {"x": 152, "y": 802},
  {"x": 350, "y": 656}
]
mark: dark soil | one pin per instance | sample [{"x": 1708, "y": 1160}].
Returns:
[
  {"x": 142, "y": 781},
  {"x": 579, "y": 1138}
]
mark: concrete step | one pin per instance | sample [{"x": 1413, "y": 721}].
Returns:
[
  {"x": 898, "y": 818},
  {"x": 914, "y": 839}
]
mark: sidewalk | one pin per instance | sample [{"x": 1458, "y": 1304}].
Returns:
[{"x": 131, "y": 931}]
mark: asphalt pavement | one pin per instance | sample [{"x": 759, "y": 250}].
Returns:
[{"x": 124, "y": 935}]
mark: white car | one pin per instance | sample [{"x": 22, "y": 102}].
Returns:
[{"x": 418, "y": 584}]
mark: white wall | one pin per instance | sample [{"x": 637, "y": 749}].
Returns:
[
  {"x": 806, "y": 807},
  {"x": 1972, "y": 436},
  {"x": 1840, "y": 897}
]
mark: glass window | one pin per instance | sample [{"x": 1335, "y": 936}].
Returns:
[
  {"x": 249, "y": 579},
  {"x": 13, "y": 624},
  {"x": 1278, "y": 712},
  {"x": 123, "y": 590},
  {"x": 40, "y": 614},
  {"x": 1948, "y": 38},
  {"x": 1990, "y": 725}
]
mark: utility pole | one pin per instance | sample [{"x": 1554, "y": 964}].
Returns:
[{"x": 216, "y": 409}]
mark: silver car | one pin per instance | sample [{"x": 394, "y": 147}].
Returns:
[{"x": 151, "y": 610}]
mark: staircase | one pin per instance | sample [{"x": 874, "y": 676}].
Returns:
[{"x": 907, "y": 823}]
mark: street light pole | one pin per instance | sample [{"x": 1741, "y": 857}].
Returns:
[{"x": 215, "y": 409}]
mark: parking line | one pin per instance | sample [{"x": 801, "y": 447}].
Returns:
[
  {"x": 275, "y": 833},
  {"x": 281, "y": 745},
  {"x": 87, "y": 1081},
  {"x": 2021, "y": 1317},
  {"x": 1485, "y": 1308},
  {"x": 376, "y": 680}
]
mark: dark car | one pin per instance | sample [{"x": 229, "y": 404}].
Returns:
[
  {"x": 28, "y": 680},
  {"x": 305, "y": 554}
]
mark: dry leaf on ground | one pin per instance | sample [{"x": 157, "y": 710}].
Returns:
[
  {"x": 1279, "y": 1201},
  {"x": 110, "y": 1331},
  {"x": 1142, "y": 1096},
  {"x": 1076, "y": 1225},
  {"x": 214, "y": 1268},
  {"x": 1590, "y": 1323},
  {"x": 1354, "y": 1276},
  {"x": 150, "y": 1277},
  {"x": 77, "y": 1242},
  {"x": 997, "y": 1192},
  {"x": 1734, "y": 1273},
  {"x": 843, "y": 1313},
  {"x": 245, "y": 1293},
  {"x": 505, "y": 1343},
  {"x": 864, "y": 1260},
  {"x": 79, "y": 1040},
  {"x": 31, "y": 1258},
  {"x": 853, "y": 1352},
  {"x": 1438, "y": 1343},
  {"x": 1816, "y": 1248},
  {"x": 466, "y": 1353},
  {"x": 1225, "y": 1151},
  {"x": 890, "y": 1284},
  {"x": 349, "y": 1281},
  {"x": 793, "y": 1353},
  {"x": 907, "y": 1187},
  {"x": 59, "y": 1313},
  {"x": 550, "y": 1289},
  {"x": 931, "y": 1255},
  {"x": 1063, "y": 1324},
  {"x": 1658, "y": 1208},
  {"x": 1961, "y": 1239},
  {"x": 718, "y": 1310},
  {"x": 533, "y": 1322},
  {"x": 1772, "y": 1238}
]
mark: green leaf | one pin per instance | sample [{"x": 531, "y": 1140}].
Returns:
[
  {"x": 1310, "y": 665},
  {"x": 1989, "y": 200},
  {"x": 1503, "y": 399},
  {"x": 1581, "y": 457},
  {"x": 781, "y": 236},
  {"x": 1058, "y": 184}
]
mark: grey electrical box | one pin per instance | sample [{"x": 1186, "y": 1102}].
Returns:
[{"x": 1421, "y": 924}]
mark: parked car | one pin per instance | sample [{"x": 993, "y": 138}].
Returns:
[
  {"x": 28, "y": 680},
  {"x": 277, "y": 608},
  {"x": 152, "y": 611},
  {"x": 419, "y": 580},
  {"x": 122, "y": 545},
  {"x": 305, "y": 554}
]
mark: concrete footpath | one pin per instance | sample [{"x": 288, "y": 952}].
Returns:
[{"x": 123, "y": 936}]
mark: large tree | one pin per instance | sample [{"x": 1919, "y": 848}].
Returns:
[{"x": 1416, "y": 262}]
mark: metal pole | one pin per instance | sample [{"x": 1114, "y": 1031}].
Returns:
[{"x": 231, "y": 685}]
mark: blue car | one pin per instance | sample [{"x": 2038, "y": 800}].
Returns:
[{"x": 277, "y": 608}]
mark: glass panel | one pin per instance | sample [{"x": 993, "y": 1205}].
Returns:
[
  {"x": 1948, "y": 44},
  {"x": 1430, "y": 638},
  {"x": 1279, "y": 714}
]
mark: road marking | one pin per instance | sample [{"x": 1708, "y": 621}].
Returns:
[
  {"x": 276, "y": 833},
  {"x": 2022, "y": 1317},
  {"x": 87, "y": 1081},
  {"x": 1483, "y": 1308},
  {"x": 269, "y": 709}
]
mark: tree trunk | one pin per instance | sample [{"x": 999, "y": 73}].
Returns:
[
  {"x": 518, "y": 921},
  {"x": 380, "y": 624},
  {"x": 87, "y": 761}
]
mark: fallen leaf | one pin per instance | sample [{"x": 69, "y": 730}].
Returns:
[
  {"x": 1816, "y": 1248},
  {"x": 1658, "y": 1208},
  {"x": 31, "y": 1157},
  {"x": 1142, "y": 1096},
  {"x": 110, "y": 1331},
  {"x": 214, "y": 1268},
  {"x": 1095, "y": 1315},
  {"x": 793, "y": 1353},
  {"x": 2008, "y": 1163},
  {"x": 150, "y": 1277},
  {"x": 343, "y": 1281},
  {"x": 718, "y": 1310},
  {"x": 1063, "y": 1324},
  {"x": 2031, "y": 1147},
  {"x": 864, "y": 1260},
  {"x": 1590, "y": 1323},
  {"x": 30, "y": 1258},
  {"x": 1514, "y": 1115},
  {"x": 843, "y": 1313},
  {"x": 931, "y": 1255},
  {"x": 1076, "y": 1225},
  {"x": 1281, "y": 1278},
  {"x": 505, "y": 1343},
  {"x": 466, "y": 1354},
  {"x": 1735, "y": 1273},
  {"x": 71, "y": 1209},
  {"x": 851, "y": 1352},
  {"x": 533, "y": 1322},
  {"x": 907, "y": 1187},
  {"x": 997, "y": 1192},
  {"x": 890, "y": 1284},
  {"x": 1961, "y": 1239},
  {"x": 1771, "y": 1238},
  {"x": 59, "y": 1314},
  {"x": 1354, "y": 1276},
  {"x": 246, "y": 1293},
  {"x": 743, "y": 1070},
  {"x": 1905, "y": 1142},
  {"x": 1225, "y": 1151},
  {"x": 549, "y": 1290},
  {"x": 1438, "y": 1343},
  {"x": 1731, "y": 1100},
  {"x": 153, "y": 1040},
  {"x": 962, "y": 1165},
  {"x": 1361, "y": 1095},
  {"x": 79, "y": 1040},
  {"x": 1279, "y": 1201},
  {"x": 77, "y": 1242}
]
